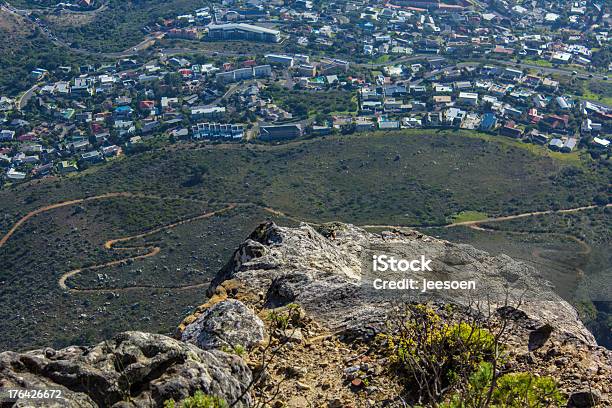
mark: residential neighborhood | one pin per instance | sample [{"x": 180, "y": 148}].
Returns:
[{"x": 502, "y": 69}]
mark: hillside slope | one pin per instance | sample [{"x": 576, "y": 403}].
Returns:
[{"x": 326, "y": 352}]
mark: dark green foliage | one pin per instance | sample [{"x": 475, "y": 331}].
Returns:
[{"x": 120, "y": 26}]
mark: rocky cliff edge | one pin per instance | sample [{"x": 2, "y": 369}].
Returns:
[{"x": 325, "y": 270}]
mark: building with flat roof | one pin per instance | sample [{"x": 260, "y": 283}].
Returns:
[
  {"x": 469, "y": 98},
  {"x": 276, "y": 59},
  {"x": 260, "y": 71},
  {"x": 217, "y": 130},
  {"x": 280, "y": 132},
  {"x": 242, "y": 31}
]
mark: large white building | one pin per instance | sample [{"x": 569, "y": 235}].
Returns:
[
  {"x": 242, "y": 32},
  {"x": 242, "y": 74}
]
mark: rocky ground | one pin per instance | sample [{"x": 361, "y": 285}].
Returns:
[{"x": 291, "y": 322}]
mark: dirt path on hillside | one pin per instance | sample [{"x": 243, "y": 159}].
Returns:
[
  {"x": 476, "y": 224},
  {"x": 523, "y": 215},
  {"x": 110, "y": 244},
  {"x": 154, "y": 250},
  {"x": 50, "y": 207}
]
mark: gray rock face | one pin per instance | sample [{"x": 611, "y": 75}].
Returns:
[
  {"x": 133, "y": 369},
  {"x": 226, "y": 324},
  {"x": 325, "y": 271}
]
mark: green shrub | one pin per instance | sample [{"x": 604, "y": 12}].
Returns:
[
  {"x": 524, "y": 390},
  {"x": 514, "y": 390},
  {"x": 199, "y": 400},
  {"x": 433, "y": 355}
]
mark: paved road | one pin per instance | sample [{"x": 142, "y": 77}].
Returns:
[
  {"x": 25, "y": 97},
  {"x": 548, "y": 70}
]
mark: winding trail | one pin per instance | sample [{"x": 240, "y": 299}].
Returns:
[
  {"x": 110, "y": 244},
  {"x": 523, "y": 215},
  {"x": 476, "y": 223},
  {"x": 50, "y": 207},
  {"x": 154, "y": 250}
]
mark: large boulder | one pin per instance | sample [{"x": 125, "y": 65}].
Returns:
[
  {"x": 226, "y": 324},
  {"x": 325, "y": 270},
  {"x": 133, "y": 369}
]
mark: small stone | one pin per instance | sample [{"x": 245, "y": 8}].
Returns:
[
  {"x": 584, "y": 399},
  {"x": 335, "y": 403},
  {"x": 296, "y": 372},
  {"x": 352, "y": 369},
  {"x": 293, "y": 335},
  {"x": 303, "y": 387},
  {"x": 357, "y": 382}
]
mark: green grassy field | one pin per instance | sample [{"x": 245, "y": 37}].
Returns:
[
  {"x": 402, "y": 178},
  {"x": 465, "y": 216}
]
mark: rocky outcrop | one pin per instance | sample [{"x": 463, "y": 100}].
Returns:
[
  {"x": 132, "y": 370},
  {"x": 328, "y": 272},
  {"x": 227, "y": 324}
]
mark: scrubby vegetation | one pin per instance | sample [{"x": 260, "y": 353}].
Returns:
[
  {"x": 305, "y": 104},
  {"x": 198, "y": 400},
  {"x": 513, "y": 390},
  {"x": 455, "y": 361},
  {"x": 120, "y": 25},
  {"x": 35, "y": 312},
  {"x": 351, "y": 178},
  {"x": 434, "y": 355},
  {"x": 24, "y": 48}
]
